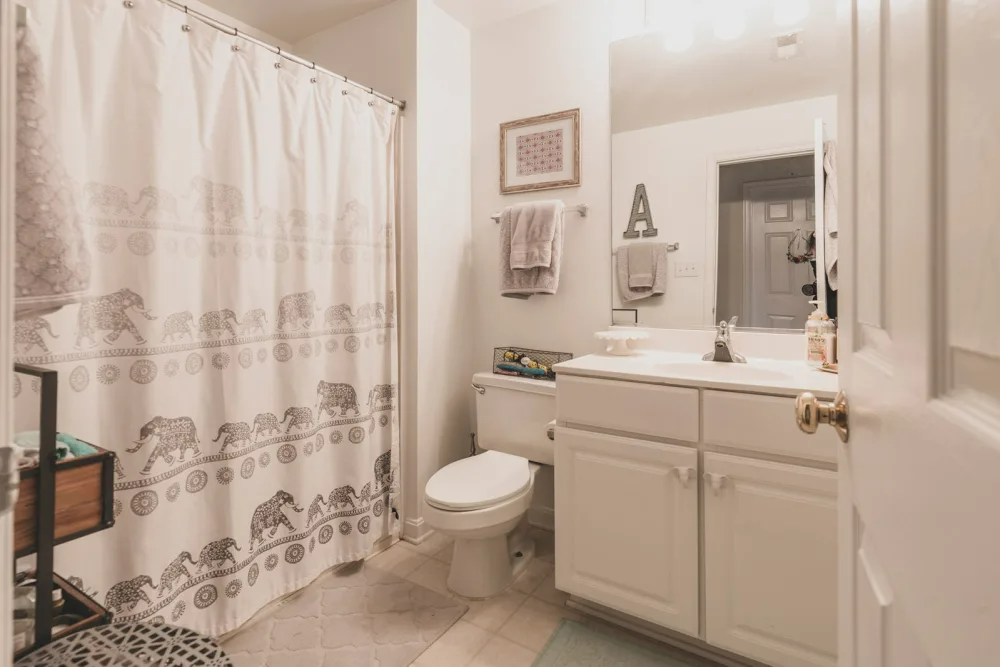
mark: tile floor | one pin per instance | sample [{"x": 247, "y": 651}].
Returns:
[
  {"x": 508, "y": 630},
  {"x": 355, "y": 616},
  {"x": 505, "y": 631}
]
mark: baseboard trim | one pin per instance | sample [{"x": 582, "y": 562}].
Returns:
[
  {"x": 416, "y": 530},
  {"x": 542, "y": 517},
  {"x": 672, "y": 638}
]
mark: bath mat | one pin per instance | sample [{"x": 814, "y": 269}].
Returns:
[
  {"x": 581, "y": 646},
  {"x": 358, "y": 615}
]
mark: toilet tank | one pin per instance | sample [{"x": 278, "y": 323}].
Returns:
[{"x": 512, "y": 415}]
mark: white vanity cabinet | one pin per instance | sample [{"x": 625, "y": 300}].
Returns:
[
  {"x": 698, "y": 509},
  {"x": 771, "y": 560},
  {"x": 633, "y": 537}
]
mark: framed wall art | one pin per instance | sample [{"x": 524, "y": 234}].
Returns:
[{"x": 540, "y": 153}]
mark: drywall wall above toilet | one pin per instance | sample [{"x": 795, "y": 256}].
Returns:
[{"x": 547, "y": 60}]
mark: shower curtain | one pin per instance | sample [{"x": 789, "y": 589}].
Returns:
[{"x": 237, "y": 346}]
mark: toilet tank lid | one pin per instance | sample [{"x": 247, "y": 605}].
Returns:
[{"x": 546, "y": 387}]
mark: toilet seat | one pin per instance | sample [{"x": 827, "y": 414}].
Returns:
[{"x": 478, "y": 482}]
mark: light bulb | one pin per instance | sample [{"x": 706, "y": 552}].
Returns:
[
  {"x": 729, "y": 19},
  {"x": 626, "y": 19},
  {"x": 678, "y": 37},
  {"x": 790, "y": 12},
  {"x": 676, "y": 19}
]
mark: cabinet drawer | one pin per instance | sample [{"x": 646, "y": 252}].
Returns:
[
  {"x": 763, "y": 424},
  {"x": 645, "y": 409}
]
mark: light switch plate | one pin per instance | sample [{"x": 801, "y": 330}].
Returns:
[{"x": 686, "y": 269}]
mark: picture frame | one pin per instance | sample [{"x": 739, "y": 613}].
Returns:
[{"x": 540, "y": 153}]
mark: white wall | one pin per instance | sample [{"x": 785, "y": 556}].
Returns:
[
  {"x": 548, "y": 60},
  {"x": 551, "y": 59},
  {"x": 677, "y": 163},
  {"x": 411, "y": 49},
  {"x": 444, "y": 238}
]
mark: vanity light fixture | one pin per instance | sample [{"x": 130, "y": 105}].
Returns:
[
  {"x": 729, "y": 19},
  {"x": 676, "y": 19},
  {"x": 790, "y": 12}
]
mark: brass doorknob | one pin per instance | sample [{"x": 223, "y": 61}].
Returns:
[{"x": 810, "y": 412}]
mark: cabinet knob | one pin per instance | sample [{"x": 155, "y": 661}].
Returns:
[
  {"x": 810, "y": 412},
  {"x": 716, "y": 481},
  {"x": 684, "y": 475}
]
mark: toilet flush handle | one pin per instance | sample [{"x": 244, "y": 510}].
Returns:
[{"x": 478, "y": 387}]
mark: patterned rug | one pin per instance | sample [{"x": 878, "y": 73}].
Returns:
[
  {"x": 577, "y": 645},
  {"x": 355, "y": 616}
]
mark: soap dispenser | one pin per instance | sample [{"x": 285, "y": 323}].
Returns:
[{"x": 817, "y": 327}]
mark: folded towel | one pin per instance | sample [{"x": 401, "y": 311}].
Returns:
[
  {"x": 522, "y": 283},
  {"x": 640, "y": 265},
  {"x": 533, "y": 228},
  {"x": 76, "y": 447},
  {"x": 622, "y": 259},
  {"x": 30, "y": 441},
  {"x": 67, "y": 446}
]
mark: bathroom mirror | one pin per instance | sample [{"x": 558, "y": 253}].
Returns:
[{"x": 721, "y": 116}]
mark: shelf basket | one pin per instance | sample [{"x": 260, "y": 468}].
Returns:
[{"x": 539, "y": 359}]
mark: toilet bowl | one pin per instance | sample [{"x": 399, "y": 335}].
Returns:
[{"x": 482, "y": 501}]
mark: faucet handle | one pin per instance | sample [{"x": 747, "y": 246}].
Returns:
[{"x": 732, "y": 322}]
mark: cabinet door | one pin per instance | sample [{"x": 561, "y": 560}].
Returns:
[
  {"x": 627, "y": 526},
  {"x": 771, "y": 561}
]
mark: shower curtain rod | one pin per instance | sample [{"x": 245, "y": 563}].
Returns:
[{"x": 218, "y": 25}]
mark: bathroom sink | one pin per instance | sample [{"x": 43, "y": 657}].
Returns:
[{"x": 711, "y": 370}]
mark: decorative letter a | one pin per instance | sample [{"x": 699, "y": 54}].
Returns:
[{"x": 640, "y": 213}]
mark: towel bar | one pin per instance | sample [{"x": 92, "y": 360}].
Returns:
[
  {"x": 582, "y": 209},
  {"x": 670, "y": 248}
]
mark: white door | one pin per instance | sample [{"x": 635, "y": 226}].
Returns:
[
  {"x": 628, "y": 535},
  {"x": 919, "y": 147},
  {"x": 776, "y": 212},
  {"x": 771, "y": 561}
]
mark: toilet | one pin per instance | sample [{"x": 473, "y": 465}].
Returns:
[{"x": 482, "y": 501}]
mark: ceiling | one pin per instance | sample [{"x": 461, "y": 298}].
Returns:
[
  {"x": 652, "y": 86},
  {"x": 293, "y": 20},
  {"x": 476, "y": 13}
]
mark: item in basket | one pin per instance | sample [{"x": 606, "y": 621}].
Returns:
[
  {"x": 522, "y": 364},
  {"x": 67, "y": 446},
  {"x": 24, "y": 633},
  {"x": 518, "y": 369},
  {"x": 64, "y": 621}
]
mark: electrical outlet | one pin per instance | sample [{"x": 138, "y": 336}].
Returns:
[{"x": 686, "y": 269}]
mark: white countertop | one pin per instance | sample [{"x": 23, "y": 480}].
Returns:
[{"x": 761, "y": 376}]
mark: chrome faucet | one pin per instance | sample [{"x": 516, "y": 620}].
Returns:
[{"x": 724, "y": 345}]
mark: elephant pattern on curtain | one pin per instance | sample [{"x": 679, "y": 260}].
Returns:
[{"x": 237, "y": 348}]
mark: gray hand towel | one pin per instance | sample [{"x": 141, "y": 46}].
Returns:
[
  {"x": 659, "y": 286},
  {"x": 640, "y": 265},
  {"x": 522, "y": 283},
  {"x": 533, "y": 227}
]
